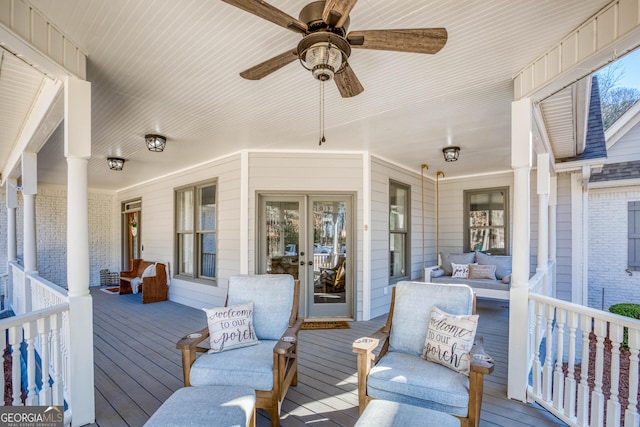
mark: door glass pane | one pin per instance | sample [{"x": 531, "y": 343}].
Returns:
[
  {"x": 329, "y": 252},
  {"x": 282, "y": 226}
]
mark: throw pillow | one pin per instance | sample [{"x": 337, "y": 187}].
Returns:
[
  {"x": 438, "y": 272},
  {"x": 459, "y": 271},
  {"x": 231, "y": 327},
  {"x": 446, "y": 259},
  {"x": 150, "y": 271},
  {"x": 506, "y": 279},
  {"x": 482, "y": 272},
  {"x": 449, "y": 340},
  {"x": 502, "y": 263}
]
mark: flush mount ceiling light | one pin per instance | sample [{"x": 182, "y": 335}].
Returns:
[
  {"x": 115, "y": 163},
  {"x": 155, "y": 142},
  {"x": 451, "y": 154}
]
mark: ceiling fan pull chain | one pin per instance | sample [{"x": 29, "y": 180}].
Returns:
[{"x": 322, "y": 138}]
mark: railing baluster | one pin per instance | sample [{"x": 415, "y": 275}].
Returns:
[
  {"x": 15, "y": 339},
  {"x": 631, "y": 416},
  {"x": 43, "y": 330},
  {"x": 537, "y": 366},
  {"x": 547, "y": 371},
  {"x": 597, "y": 398},
  {"x": 570, "y": 380},
  {"x": 558, "y": 375},
  {"x": 3, "y": 331},
  {"x": 57, "y": 391},
  {"x": 613, "y": 404},
  {"x": 29, "y": 335},
  {"x": 583, "y": 388}
]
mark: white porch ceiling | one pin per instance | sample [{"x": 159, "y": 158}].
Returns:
[{"x": 161, "y": 66}]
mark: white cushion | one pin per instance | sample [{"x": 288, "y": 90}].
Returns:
[
  {"x": 449, "y": 340},
  {"x": 231, "y": 327}
]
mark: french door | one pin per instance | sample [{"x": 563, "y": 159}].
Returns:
[{"x": 309, "y": 237}]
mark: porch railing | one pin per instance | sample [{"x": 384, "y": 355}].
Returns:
[
  {"x": 584, "y": 366},
  {"x": 39, "y": 333}
]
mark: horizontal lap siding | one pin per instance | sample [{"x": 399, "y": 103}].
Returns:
[
  {"x": 158, "y": 226},
  {"x": 563, "y": 239},
  {"x": 381, "y": 173}
]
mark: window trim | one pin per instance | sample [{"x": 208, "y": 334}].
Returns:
[
  {"x": 406, "y": 232},
  {"x": 195, "y": 232},
  {"x": 467, "y": 199}
]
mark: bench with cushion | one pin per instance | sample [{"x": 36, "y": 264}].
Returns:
[
  {"x": 486, "y": 281},
  {"x": 154, "y": 287}
]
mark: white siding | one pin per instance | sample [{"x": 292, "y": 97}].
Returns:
[
  {"x": 563, "y": 239},
  {"x": 381, "y": 173},
  {"x": 608, "y": 248},
  {"x": 158, "y": 227},
  {"x": 627, "y": 149},
  {"x": 452, "y": 207}
]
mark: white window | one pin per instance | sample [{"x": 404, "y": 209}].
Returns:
[{"x": 196, "y": 231}]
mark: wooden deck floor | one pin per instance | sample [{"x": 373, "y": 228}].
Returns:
[{"x": 137, "y": 366}]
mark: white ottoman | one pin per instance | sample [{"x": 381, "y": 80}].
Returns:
[
  {"x": 211, "y": 406},
  {"x": 382, "y": 413}
]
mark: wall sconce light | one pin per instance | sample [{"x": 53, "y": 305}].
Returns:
[
  {"x": 115, "y": 163},
  {"x": 451, "y": 153},
  {"x": 155, "y": 142}
]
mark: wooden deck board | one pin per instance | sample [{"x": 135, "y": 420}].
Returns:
[{"x": 137, "y": 366}]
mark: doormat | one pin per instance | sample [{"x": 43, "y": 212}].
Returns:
[
  {"x": 325, "y": 325},
  {"x": 111, "y": 291}
]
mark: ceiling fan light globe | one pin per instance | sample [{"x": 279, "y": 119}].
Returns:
[{"x": 323, "y": 59}]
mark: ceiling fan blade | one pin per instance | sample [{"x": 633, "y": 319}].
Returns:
[
  {"x": 336, "y": 12},
  {"x": 417, "y": 40},
  {"x": 269, "y": 66},
  {"x": 264, "y": 10},
  {"x": 347, "y": 82}
]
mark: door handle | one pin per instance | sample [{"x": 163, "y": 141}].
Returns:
[
  {"x": 301, "y": 262},
  {"x": 310, "y": 263}
]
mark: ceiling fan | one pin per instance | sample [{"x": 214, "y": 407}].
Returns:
[{"x": 326, "y": 46}]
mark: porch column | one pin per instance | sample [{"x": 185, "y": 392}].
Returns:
[
  {"x": 12, "y": 205},
  {"x": 12, "y": 239},
  {"x": 543, "y": 219},
  {"x": 29, "y": 191},
  {"x": 77, "y": 150},
  {"x": 521, "y": 149},
  {"x": 553, "y": 204}
]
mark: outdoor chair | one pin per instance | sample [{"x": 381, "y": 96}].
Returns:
[
  {"x": 400, "y": 374},
  {"x": 333, "y": 279},
  {"x": 265, "y": 357}
]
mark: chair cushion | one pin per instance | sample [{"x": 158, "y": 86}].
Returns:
[
  {"x": 382, "y": 413},
  {"x": 502, "y": 262},
  {"x": 447, "y": 258},
  {"x": 410, "y": 379},
  {"x": 206, "y": 406},
  {"x": 272, "y": 296},
  {"x": 412, "y": 311},
  {"x": 246, "y": 366}
]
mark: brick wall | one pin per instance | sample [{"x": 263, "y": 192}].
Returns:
[
  {"x": 51, "y": 229},
  {"x": 608, "y": 248}
]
